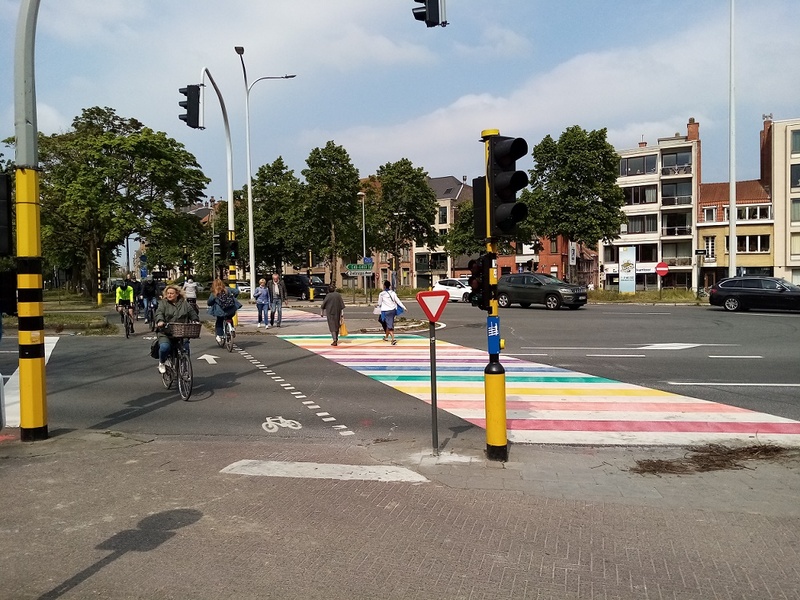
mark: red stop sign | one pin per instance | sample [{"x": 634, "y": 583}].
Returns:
[{"x": 662, "y": 269}]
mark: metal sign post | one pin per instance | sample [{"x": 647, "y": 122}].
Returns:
[{"x": 432, "y": 304}]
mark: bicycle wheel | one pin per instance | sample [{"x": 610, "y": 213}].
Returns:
[
  {"x": 168, "y": 375},
  {"x": 185, "y": 376},
  {"x": 228, "y": 337}
]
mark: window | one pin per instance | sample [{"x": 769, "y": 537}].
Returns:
[
  {"x": 679, "y": 192},
  {"x": 796, "y": 142},
  {"x": 640, "y": 194},
  {"x": 637, "y": 165},
  {"x": 553, "y": 246},
  {"x": 710, "y": 244},
  {"x": 795, "y": 210},
  {"x": 749, "y": 243},
  {"x": 442, "y": 215},
  {"x": 610, "y": 254},
  {"x": 647, "y": 253},
  {"x": 677, "y": 159},
  {"x": 710, "y": 214},
  {"x": 794, "y": 178},
  {"x": 795, "y": 244},
  {"x": 643, "y": 224},
  {"x": 751, "y": 213}
]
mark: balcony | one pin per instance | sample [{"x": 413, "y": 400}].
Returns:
[
  {"x": 676, "y": 231},
  {"x": 679, "y": 261},
  {"x": 676, "y": 200},
  {"x": 676, "y": 170}
]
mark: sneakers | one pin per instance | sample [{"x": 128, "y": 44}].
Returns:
[
  {"x": 219, "y": 339},
  {"x": 162, "y": 368},
  {"x": 394, "y": 342},
  {"x": 233, "y": 331},
  {"x": 258, "y": 326},
  {"x": 266, "y": 326}
]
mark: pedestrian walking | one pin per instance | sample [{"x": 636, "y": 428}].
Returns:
[
  {"x": 277, "y": 296},
  {"x": 332, "y": 308},
  {"x": 261, "y": 295},
  {"x": 388, "y": 304}
]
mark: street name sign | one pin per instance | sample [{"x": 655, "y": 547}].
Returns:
[{"x": 360, "y": 268}]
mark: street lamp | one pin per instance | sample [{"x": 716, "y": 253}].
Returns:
[
  {"x": 363, "y": 236},
  {"x": 250, "y": 227}
]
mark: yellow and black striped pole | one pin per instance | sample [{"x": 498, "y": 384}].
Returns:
[
  {"x": 494, "y": 375},
  {"x": 32, "y": 388},
  {"x": 233, "y": 248}
]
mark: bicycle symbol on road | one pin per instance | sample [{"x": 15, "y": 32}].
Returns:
[{"x": 272, "y": 423}]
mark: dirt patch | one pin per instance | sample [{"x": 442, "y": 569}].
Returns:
[{"x": 714, "y": 457}]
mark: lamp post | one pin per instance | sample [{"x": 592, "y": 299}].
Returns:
[
  {"x": 250, "y": 226},
  {"x": 363, "y": 197}
]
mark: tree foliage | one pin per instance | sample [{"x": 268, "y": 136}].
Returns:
[
  {"x": 573, "y": 188},
  {"x": 406, "y": 210},
  {"x": 328, "y": 213},
  {"x": 108, "y": 178}
]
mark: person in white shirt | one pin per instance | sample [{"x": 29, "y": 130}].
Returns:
[
  {"x": 388, "y": 302},
  {"x": 190, "y": 292}
]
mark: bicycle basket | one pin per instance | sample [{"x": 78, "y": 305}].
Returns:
[{"x": 184, "y": 330}]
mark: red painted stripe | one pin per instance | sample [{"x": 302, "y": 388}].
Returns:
[
  {"x": 663, "y": 407},
  {"x": 653, "y": 426}
]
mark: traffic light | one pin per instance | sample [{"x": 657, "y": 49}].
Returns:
[
  {"x": 185, "y": 260},
  {"x": 233, "y": 250},
  {"x": 192, "y": 106},
  {"x": 482, "y": 290},
  {"x": 431, "y": 13},
  {"x": 504, "y": 183},
  {"x": 6, "y": 237},
  {"x": 219, "y": 245},
  {"x": 479, "y": 208}
]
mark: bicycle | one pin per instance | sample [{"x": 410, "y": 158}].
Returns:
[
  {"x": 179, "y": 363},
  {"x": 228, "y": 335},
  {"x": 150, "y": 313},
  {"x": 127, "y": 322}
]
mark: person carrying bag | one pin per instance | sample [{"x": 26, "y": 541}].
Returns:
[{"x": 389, "y": 306}]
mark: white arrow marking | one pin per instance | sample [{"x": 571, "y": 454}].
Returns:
[{"x": 209, "y": 358}]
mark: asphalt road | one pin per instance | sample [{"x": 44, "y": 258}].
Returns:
[{"x": 748, "y": 360}]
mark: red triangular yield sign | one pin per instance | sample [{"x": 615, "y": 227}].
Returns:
[{"x": 433, "y": 303}]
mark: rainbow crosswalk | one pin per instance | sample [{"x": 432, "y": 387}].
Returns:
[{"x": 550, "y": 405}]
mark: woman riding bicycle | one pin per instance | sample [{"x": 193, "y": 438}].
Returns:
[
  {"x": 172, "y": 308},
  {"x": 222, "y": 304}
]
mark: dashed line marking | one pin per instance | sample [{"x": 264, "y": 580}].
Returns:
[{"x": 323, "y": 414}]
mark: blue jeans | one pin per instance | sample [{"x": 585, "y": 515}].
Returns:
[
  {"x": 164, "y": 349},
  {"x": 276, "y": 306},
  {"x": 262, "y": 312}
]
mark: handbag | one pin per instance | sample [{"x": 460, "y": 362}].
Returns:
[
  {"x": 376, "y": 310},
  {"x": 399, "y": 310},
  {"x": 342, "y": 329},
  {"x": 154, "y": 348}
]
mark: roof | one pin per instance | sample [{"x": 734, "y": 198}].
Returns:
[
  {"x": 747, "y": 192},
  {"x": 449, "y": 188}
]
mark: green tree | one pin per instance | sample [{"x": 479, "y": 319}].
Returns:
[
  {"x": 108, "y": 178},
  {"x": 280, "y": 232},
  {"x": 460, "y": 238},
  {"x": 330, "y": 209},
  {"x": 407, "y": 208},
  {"x": 573, "y": 188}
]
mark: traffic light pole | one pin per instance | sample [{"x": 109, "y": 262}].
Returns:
[
  {"x": 494, "y": 375},
  {"x": 229, "y": 154},
  {"x": 30, "y": 308}
]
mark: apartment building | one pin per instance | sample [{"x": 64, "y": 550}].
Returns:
[
  {"x": 661, "y": 185},
  {"x": 785, "y": 186}
]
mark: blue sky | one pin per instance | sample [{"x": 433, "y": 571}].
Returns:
[{"x": 385, "y": 87}]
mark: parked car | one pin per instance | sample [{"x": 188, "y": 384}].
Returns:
[
  {"x": 749, "y": 291},
  {"x": 536, "y": 288},
  {"x": 299, "y": 285},
  {"x": 458, "y": 290},
  {"x": 244, "y": 287}
]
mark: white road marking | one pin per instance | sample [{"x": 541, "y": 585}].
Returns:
[
  {"x": 619, "y": 355},
  {"x": 311, "y": 470},
  {"x": 731, "y": 356},
  {"x": 10, "y": 402},
  {"x": 209, "y": 358}
]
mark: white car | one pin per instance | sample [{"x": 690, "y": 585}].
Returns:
[{"x": 458, "y": 290}]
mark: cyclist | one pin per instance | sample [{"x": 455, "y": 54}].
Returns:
[
  {"x": 172, "y": 308},
  {"x": 149, "y": 292},
  {"x": 222, "y": 304},
  {"x": 190, "y": 292},
  {"x": 124, "y": 299}
]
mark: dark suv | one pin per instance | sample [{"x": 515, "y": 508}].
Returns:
[
  {"x": 298, "y": 286},
  {"x": 536, "y": 288},
  {"x": 743, "y": 293}
]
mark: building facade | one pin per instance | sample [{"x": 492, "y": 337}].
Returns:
[
  {"x": 785, "y": 186},
  {"x": 661, "y": 185}
]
